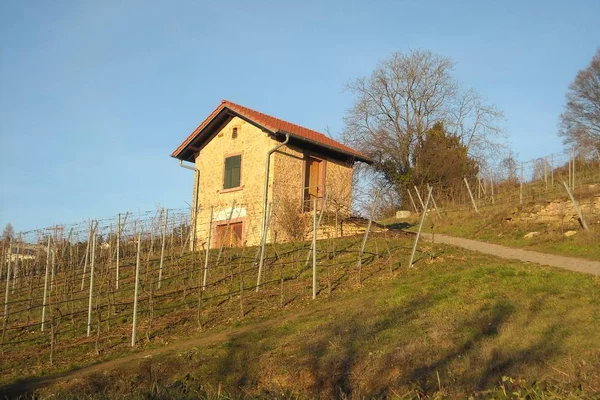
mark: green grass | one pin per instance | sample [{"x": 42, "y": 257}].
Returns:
[
  {"x": 459, "y": 324},
  {"x": 491, "y": 225}
]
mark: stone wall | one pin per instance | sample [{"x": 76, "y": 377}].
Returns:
[
  {"x": 288, "y": 191},
  {"x": 560, "y": 212},
  {"x": 253, "y": 144},
  {"x": 289, "y": 177},
  {"x": 285, "y": 184}
]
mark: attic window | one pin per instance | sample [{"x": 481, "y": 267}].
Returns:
[{"x": 234, "y": 133}]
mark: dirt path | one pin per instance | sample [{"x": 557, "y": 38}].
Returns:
[{"x": 570, "y": 263}]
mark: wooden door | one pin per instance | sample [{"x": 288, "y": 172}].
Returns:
[
  {"x": 312, "y": 181},
  {"x": 231, "y": 237},
  {"x": 313, "y": 177}
]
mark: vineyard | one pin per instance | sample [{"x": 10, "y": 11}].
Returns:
[
  {"x": 515, "y": 183},
  {"x": 130, "y": 282},
  {"x": 99, "y": 289}
]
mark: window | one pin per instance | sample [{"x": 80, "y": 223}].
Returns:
[
  {"x": 234, "y": 133},
  {"x": 233, "y": 168}
]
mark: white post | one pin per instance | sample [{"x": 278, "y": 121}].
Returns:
[
  {"x": 314, "y": 249},
  {"x": 194, "y": 223},
  {"x": 412, "y": 255},
  {"x": 412, "y": 200},
  {"x": 546, "y": 172},
  {"x": 45, "y": 301},
  {"x": 226, "y": 233},
  {"x": 521, "y": 186},
  {"x": 263, "y": 242},
  {"x": 7, "y": 280},
  {"x": 576, "y": 205},
  {"x": 552, "y": 169},
  {"x": 162, "y": 247},
  {"x": 433, "y": 200},
  {"x": 573, "y": 180},
  {"x": 118, "y": 250},
  {"x": 420, "y": 199},
  {"x": 87, "y": 252},
  {"x": 16, "y": 267},
  {"x": 93, "y": 257},
  {"x": 207, "y": 249},
  {"x": 309, "y": 253},
  {"x": 598, "y": 155},
  {"x": 135, "y": 294},
  {"x": 53, "y": 269},
  {"x": 470, "y": 195},
  {"x": 570, "y": 170},
  {"x": 364, "y": 242},
  {"x": 492, "y": 188}
]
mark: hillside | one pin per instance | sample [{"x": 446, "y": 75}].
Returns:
[
  {"x": 550, "y": 226},
  {"x": 457, "y": 324}
]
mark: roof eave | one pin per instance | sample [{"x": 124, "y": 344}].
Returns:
[
  {"x": 176, "y": 153},
  {"x": 357, "y": 157}
]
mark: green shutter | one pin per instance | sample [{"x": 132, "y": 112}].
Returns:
[{"x": 233, "y": 167}]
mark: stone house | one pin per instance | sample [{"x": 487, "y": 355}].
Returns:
[{"x": 230, "y": 149}]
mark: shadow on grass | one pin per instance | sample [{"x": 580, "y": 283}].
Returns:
[
  {"x": 331, "y": 357},
  {"x": 398, "y": 226}
]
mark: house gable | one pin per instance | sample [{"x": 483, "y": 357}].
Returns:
[
  {"x": 248, "y": 144},
  {"x": 299, "y": 136},
  {"x": 229, "y": 150}
]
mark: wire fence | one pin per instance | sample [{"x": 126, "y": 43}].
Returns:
[
  {"x": 116, "y": 282},
  {"x": 516, "y": 183},
  {"x": 112, "y": 283}
]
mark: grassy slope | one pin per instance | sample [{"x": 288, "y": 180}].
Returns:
[
  {"x": 465, "y": 317},
  {"x": 490, "y": 225}
]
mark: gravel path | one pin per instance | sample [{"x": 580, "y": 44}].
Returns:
[{"x": 570, "y": 263}]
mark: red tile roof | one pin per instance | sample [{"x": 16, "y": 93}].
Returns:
[{"x": 274, "y": 125}]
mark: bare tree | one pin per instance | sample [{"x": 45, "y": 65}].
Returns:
[
  {"x": 580, "y": 122},
  {"x": 476, "y": 124},
  {"x": 402, "y": 99},
  {"x": 509, "y": 165},
  {"x": 8, "y": 233}
]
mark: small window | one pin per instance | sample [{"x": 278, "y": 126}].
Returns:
[
  {"x": 234, "y": 133},
  {"x": 233, "y": 168}
]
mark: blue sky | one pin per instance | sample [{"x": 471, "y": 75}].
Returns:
[{"x": 95, "y": 95}]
